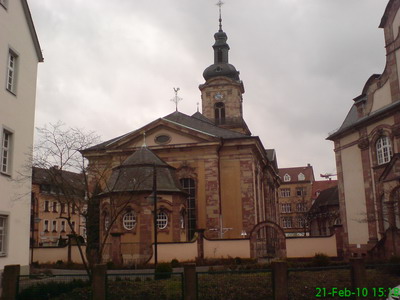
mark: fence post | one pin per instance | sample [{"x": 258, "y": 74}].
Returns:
[
  {"x": 10, "y": 282},
  {"x": 280, "y": 280},
  {"x": 358, "y": 274},
  {"x": 99, "y": 282},
  {"x": 190, "y": 281}
]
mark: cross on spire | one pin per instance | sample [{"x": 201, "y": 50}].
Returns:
[
  {"x": 220, "y": 3},
  {"x": 176, "y": 99}
]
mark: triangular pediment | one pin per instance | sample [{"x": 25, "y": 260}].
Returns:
[
  {"x": 161, "y": 132},
  {"x": 392, "y": 170}
]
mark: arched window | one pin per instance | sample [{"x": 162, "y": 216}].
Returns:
[
  {"x": 106, "y": 221},
  {"x": 219, "y": 109},
  {"x": 162, "y": 220},
  {"x": 129, "y": 220},
  {"x": 188, "y": 185},
  {"x": 383, "y": 150}
]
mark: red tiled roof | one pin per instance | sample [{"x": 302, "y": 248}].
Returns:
[
  {"x": 294, "y": 173},
  {"x": 321, "y": 185}
]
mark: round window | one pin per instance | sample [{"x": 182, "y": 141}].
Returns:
[
  {"x": 129, "y": 220},
  {"x": 162, "y": 139},
  {"x": 162, "y": 220}
]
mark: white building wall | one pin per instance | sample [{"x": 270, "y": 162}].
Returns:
[{"x": 17, "y": 115}]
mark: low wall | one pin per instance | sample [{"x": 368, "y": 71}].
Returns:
[
  {"x": 309, "y": 246},
  {"x": 180, "y": 251},
  {"x": 53, "y": 254},
  {"x": 226, "y": 248}
]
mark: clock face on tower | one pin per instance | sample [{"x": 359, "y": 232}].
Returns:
[{"x": 218, "y": 96}]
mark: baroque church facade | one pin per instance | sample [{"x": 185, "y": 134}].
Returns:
[
  {"x": 367, "y": 147},
  {"x": 212, "y": 175}
]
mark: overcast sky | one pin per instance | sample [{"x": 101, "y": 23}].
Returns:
[{"x": 110, "y": 66}]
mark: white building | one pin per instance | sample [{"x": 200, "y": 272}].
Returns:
[{"x": 19, "y": 56}]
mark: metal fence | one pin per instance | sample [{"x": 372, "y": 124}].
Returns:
[
  {"x": 333, "y": 282},
  {"x": 146, "y": 286},
  {"x": 119, "y": 286},
  {"x": 42, "y": 287},
  {"x": 243, "y": 284}
]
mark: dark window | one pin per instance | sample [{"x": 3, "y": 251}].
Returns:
[
  {"x": 188, "y": 185},
  {"x": 219, "y": 109},
  {"x": 162, "y": 139}
]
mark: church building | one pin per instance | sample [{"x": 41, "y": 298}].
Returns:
[
  {"x": 212, "y": 175},
  {"x": 367, "y": 148}
]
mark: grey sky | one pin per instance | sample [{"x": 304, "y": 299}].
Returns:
[{"x": 110, "y": 66}]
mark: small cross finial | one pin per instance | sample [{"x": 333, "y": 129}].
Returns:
[
  {"x": 220, "y": 3},
  {"x": 176, "y": 99},
  {"x": 197, "y": 106}
]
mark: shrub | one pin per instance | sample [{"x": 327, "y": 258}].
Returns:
[
  {"x": 163, "y": 271},
  {"x": 175, "y": 263},
  {"x": 50, "y": 289},
  {"x": 320, "y": 260}
]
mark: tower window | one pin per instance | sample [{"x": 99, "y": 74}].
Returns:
[
  {"x": 219, "y": 58},
  {"x": 219, "y": 109}
]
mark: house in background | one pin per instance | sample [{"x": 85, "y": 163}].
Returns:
[
  {"x": 295, "y": 199},
  {"x": 324, "y": 213},
  {"x": 19, "y": 56},
  {"x": 367, "y": 147},
  {"x": 57, "y": 206}
]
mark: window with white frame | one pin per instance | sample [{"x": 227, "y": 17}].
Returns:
[
  {"x": 301, "y": 177},
  {"x": 62, "y": 226},
  {"x": 287, "y": 222},
  {"x": 300, "y": 191},
  {"x": 72, "y": 226},
  {"x": 383, "y": 150},
  {"x": 54, "y": 206},
  {"x": 286, "y": 208},
  {"x": 286, "y": 178},
  {"x": 54, "y": 226},
  {"x": 12, "y": 72},
  {"x": 300, "y": 222},
  {"x": 3, "y": 235},
  {"x": 46, "y": 205},
  {"x": 129, "y": 220},
  {"x": 285, "y": 192},
  {"x": 6, "y": 144},
  {"x": 162, "y": 220},
  {"x": 63, "y": 208},
  {"x": 46, "y": 226},
  {"x": 301, "y": 207}
]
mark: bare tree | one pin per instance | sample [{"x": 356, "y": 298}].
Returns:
[
  {"x": 56, "y": 154},
  {"x": 58, "y": 151}
]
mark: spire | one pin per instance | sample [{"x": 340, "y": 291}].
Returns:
[
  {"x": 221, "y": 66},
  {"x": 220, "y": 3}
]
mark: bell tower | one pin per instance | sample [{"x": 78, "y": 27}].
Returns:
[{"x": 222, "y": 93}]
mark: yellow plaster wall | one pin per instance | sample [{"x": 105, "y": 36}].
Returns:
[
  {"x": 355, "y": 195},
  {"x": 179, "y": 251},
  {"x": 308, "y": 246},
  {"x": 231, "y": 197},
  {"x": 349, "y": 139},
  {"x": 52, "y": 255},
  {"x": 226, "y": 248}
]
